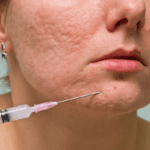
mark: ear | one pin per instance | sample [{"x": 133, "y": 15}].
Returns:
[{"x": 4, "y": 38}]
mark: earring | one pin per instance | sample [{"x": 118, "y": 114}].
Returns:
[{"x": 4, "y": 55}]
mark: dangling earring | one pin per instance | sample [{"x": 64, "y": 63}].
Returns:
[{"x": 4, "y": 55}]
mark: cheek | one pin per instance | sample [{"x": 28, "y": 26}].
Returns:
[
  {"x": 147, "y": 17},
  {"x": 68, "y": 28},
  {"x": 147, "y": 24},
  {"x": 50, "y": 35},
  {"x": 55, "y": 32},
  {"x": 50, "y": 45}
]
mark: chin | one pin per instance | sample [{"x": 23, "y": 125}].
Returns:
[{"x": 112, "y": 104}]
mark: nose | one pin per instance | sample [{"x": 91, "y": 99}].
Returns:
[{"x": 126, "y": 13}]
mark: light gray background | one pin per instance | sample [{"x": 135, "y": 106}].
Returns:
[{"x": 142, "y": 113}]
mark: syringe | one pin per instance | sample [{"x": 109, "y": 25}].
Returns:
[{"x": 24, "y": 111}]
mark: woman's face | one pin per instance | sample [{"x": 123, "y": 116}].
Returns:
[{"x": 56, "y": 41}]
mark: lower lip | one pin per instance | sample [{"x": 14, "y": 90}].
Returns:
[{"x": 120, "y": 65}]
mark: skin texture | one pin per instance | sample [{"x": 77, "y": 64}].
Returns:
[{"x": 51, "y": 46}]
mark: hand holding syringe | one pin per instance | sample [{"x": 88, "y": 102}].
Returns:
[{"x": 24, "y": 111}]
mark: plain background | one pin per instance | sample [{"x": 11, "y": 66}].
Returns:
[{"x": 143, "y": 113}]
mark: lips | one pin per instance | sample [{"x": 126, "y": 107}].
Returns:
[{"x": 123, "y": 54}]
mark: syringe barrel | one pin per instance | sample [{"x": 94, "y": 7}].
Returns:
[{"x": 15, "y": 113}]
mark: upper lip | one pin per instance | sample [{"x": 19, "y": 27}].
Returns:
[{"x": 123, "y": 54}]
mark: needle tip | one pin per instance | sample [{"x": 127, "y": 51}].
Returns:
[{"x": 97, "y": 92}]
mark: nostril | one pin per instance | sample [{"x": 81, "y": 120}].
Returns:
[
  {"x": 123, "y": 21},
  {"x": 139, "y": 25}
]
